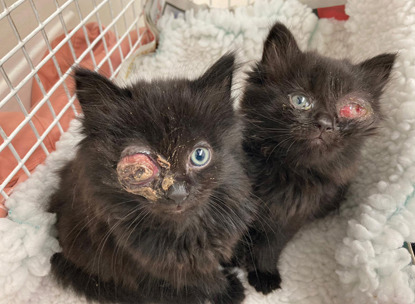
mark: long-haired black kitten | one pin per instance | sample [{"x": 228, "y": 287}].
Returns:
[
  {"x": 156, "y": 197},
  {"x": 307, "y": 117}
]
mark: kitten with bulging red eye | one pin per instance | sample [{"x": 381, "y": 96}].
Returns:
[
  {"x": 307, "y": 117},
  {"x": 156, "y": 197}
]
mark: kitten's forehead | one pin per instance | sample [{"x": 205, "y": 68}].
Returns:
[
  {"x": 327, "y": 68},
  {"x": 177, "y": 147},
  {"x": 326, "y": 78},
  {"x": 171, "y": 119}
]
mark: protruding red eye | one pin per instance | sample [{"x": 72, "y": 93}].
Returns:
[
  {"x": 136, "y": 169},
  {"x": 352, "y": 110}
]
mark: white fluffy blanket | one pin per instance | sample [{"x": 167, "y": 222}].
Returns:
[{"x": 355, "y": 256}]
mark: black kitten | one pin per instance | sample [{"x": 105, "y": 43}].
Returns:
[
  {"x": 307, "y": 117},
  {"x": 156, "y": 197}
]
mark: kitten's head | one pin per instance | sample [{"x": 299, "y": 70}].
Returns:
[
  {"x": 307, "y": 109},
  {"x": 165, "y": 146}
]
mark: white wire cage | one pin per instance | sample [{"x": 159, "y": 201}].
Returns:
[{"x": 28, "y": 30}]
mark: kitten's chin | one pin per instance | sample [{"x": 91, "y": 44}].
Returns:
[
  {"x": 318, "y": 143},
  {"x": 321, "y": 147},
  {"x": 173, "y": 210},
  {"x": 178, "y": 209},
  {"x": 321, "y": 153}
]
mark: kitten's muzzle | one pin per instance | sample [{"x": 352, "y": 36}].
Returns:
[{"x": 178, "y": 192}]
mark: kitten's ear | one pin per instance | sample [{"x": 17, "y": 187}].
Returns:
[
  {"x": 377, "y": 70},
  {"x": 95, "y": 92},
  {"x": 219, "y": 76},
  {"x": 279, "y": 46}
]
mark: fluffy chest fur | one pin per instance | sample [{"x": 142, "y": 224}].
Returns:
[
  {"x": 182, "y": 253},
  {"x": 298, "y": 193}
]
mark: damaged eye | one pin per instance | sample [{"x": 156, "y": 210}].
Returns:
[
  {"x": 200, "y": 157},
  {"x": 300, "y": 102},
  {"x": 352, "y": 110},
  {"x": 136, "y": 170}
]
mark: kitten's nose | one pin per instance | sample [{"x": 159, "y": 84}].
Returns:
[
  {"x": 325, "y": 122},
  {"x": 177, "y": 192}
]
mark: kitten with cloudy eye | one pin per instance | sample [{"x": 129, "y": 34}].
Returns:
[
  {"x": 156, "y": 197},
  {"x": 307, "y": 117}
]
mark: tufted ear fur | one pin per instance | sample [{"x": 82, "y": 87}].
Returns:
[
  {"x": 99, "y": 98},
  {"x": 279, "y": 46},
  {"x": 218, "y": 77},
  {"x": 377, "y": 70},
  {"x": 97, "y": 93}
]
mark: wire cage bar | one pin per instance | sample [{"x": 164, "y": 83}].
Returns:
[{"x": 29, "y": 29}]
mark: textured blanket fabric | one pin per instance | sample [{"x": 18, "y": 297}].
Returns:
[{"x": 353, "y": 256}]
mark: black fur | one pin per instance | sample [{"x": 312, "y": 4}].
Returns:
[
  {"x": 122, "y": 247},
  {"x": 299, "y": 169}
]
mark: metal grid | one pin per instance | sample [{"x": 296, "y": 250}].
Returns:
[{"x": 122, "y": 17}]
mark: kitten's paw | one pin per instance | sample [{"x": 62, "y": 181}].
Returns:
[
  {"x": 234, "y": 294},
  {"x": 264, "y": 282}
]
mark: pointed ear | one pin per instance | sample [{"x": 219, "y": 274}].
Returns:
[
  {"x": 95, "y": 92},
  {"x": 377, "y": 70},
  {"x": 218, "y": 77},
  {"x": 279, "y": 46}
]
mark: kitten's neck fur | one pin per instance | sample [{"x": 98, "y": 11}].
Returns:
[{"x": 295, "y": 189}]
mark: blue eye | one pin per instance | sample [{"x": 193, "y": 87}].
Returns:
[
  {"x": 300, "y": 102},
  {"x": 200, "y": 157}
]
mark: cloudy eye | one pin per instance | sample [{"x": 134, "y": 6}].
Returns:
[
  {"x": 300, "y": 102},
  {"x": 200, "y": 157}
]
